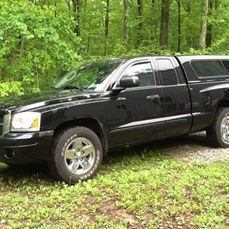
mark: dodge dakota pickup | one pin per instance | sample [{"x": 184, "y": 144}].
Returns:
[{"x": 104, "y": 105}]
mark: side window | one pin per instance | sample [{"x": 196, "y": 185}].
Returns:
[
  {"x": 226, "y": 65},
  {"x": 209, "y": 68},
  {"x": 167, "y": 74},
  {"x": 143, "y": 71}
]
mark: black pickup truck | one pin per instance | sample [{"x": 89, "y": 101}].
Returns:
[{"x": 104, "y": 105}]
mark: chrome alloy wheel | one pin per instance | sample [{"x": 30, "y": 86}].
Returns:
[
  {"x": 79, "y": 156},
  {"x": 225, "y": 129}
]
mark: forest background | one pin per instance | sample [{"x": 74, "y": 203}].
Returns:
[{"x": 40, "y": 40}]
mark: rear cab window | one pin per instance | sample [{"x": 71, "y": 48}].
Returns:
[
  {"x": 226, "y": 65},
  {"x": 207, "y": 69}
]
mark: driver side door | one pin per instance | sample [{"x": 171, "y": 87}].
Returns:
[{"x": 137, "y": 111}]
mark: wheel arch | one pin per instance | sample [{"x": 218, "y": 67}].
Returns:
[
  {"x": 221, "y": 104},
  {"x": 90, "y": 123}
]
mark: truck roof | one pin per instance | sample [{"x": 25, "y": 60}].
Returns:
[
  {"x": 202, "y": 57},
  {"x": 180, "y": 57}
]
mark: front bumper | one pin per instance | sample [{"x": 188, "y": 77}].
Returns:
[{"x": 25, "y": 148}]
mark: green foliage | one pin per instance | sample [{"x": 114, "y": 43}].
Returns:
[
  {"x": 11, "y": 88},
  {"x": 137, "y": 189},
  {"x": 39, "y": 42},
  {"x": 35, "y": 46}
]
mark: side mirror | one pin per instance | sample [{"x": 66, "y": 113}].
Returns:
[{"x": 132, "y": 81}]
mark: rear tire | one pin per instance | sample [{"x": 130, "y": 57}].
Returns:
[
  {"x": 218, "y": 133},
  {"x": 76, "y": 155}
]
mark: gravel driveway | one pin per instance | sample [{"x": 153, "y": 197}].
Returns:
[{"x": 193, "y": 148}]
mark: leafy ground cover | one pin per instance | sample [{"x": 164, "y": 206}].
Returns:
[{"x": 134, "y": 189}]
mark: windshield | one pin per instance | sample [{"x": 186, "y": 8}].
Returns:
[{"x": 87, "y": 77}]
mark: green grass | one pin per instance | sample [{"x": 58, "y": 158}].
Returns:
[{"x": 133, "y": 190}]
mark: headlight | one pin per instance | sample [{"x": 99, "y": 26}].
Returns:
[{"x": 26, "y": 121}]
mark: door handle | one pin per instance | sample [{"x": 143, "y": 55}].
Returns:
[{"x": 153, "y": 97}]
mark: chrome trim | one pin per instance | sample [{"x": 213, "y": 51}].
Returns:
[
  {"x": 151, "y": 121},
  {"x": 193, "y": 83},
  {"x": 216, "y": 87},
  {"x": 199, "y": 113}
]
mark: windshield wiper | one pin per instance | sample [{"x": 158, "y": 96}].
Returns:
[{"x": 72, "y": 87}]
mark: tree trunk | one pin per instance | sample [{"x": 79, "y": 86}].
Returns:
[
  {"x": 154, "y": 22},
  {"x": 189, "y": 38},
  {"x": 76, "y": 11},
  {"x": 209, "y": 26},
  {"x": 217, "y": 4},
  {"x": 125, "y": 24},
  {"x": 88, "y": 30},
  {"x": 187, "y": 6},
  {"x": 55, "y": 3},
  {"x": 179, "y": 26},
  {"x": 203, "y": 34},
  {"x": 107, "y": 20},
  {"x": 27, "y": 6},
  {"x": 164, "y": 34},
  {"x": 68, "y": 4},
  {"x": 140, "y": 22}
]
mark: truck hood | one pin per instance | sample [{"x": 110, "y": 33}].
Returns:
[{"x": 35, "y": 100}]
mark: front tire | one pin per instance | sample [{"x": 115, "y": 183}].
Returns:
[
  {"x": 218, "y": 133},
  {"x": 76, "y": 155}
]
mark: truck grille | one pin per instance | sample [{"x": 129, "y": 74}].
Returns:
[
  {"x": 1, "y": 129},
  {"x": 1, "y": 123},
  {"x": 2, "y": 113}
]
